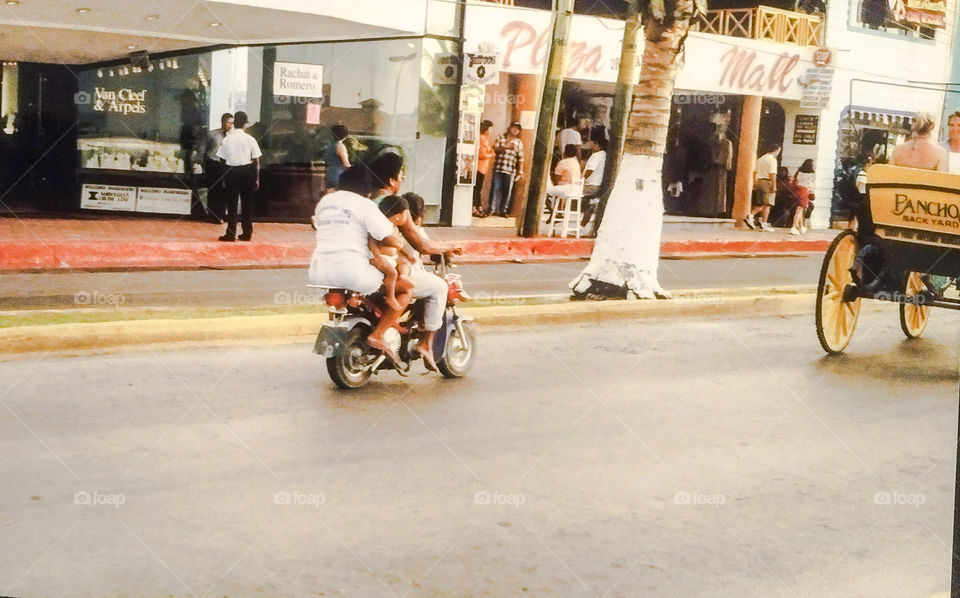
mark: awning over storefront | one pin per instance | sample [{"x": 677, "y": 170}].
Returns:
[
  {"x": 53, "y": 31},
  {"x": 867, "y": 116}
]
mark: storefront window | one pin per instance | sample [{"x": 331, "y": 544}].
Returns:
[
  {"x": 385, "y": 92},
  {"x": 141, "y": 118},
  {"x": 911, "y": 18}
]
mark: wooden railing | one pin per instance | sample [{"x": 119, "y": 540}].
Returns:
[{"x": 764, "y": 22}]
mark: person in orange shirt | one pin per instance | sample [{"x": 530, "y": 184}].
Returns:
[{"x": 484, "y": 160}]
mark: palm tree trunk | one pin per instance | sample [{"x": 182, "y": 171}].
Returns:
[{"x": 627, "y": 251}]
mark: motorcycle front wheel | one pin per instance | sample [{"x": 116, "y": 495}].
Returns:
[
  {"x": 460, "y": 353},
  {"x": 347, "y": 369}
]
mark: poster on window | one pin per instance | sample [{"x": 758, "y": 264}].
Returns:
[
  {"x": 108, "y": 197},
  {"x": 160, "y": 200}
]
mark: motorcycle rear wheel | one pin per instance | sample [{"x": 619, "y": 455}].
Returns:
[
  {"x": 459, "y": 355},
  {"x": 346, "y": 368}
]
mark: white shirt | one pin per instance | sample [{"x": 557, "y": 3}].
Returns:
[
  {"x": 807, "y": 179},
  {"x": 766, "y": 166},
  {"x": 954, "y": 163},
  {"x": 344, "y": 219},
  {"x": 596, "y": 162},
  {"x": 568, "y": 136},
  {"x": 214, "y": 141},
  {"x": 239, "y": 148}
]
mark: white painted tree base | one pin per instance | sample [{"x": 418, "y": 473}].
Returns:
[{"x": 627, "y": 250}]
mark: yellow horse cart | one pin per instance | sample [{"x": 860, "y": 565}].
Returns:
[{"x": 908, "y": 232}]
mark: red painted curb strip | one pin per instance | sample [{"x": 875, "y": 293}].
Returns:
[{"x": 205, "y": 254}]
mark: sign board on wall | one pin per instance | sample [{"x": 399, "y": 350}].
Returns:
[
  {"x": 481, "y": 68},
  {"x": 298, "y": 80},
  {"x": 819, "y": 84},
  {"x": 109, "y": 197},
  {"x": 446, "y": 69},
  {"x": 154, "y": 200},
  {"x": 159, "y": 200},
  {"x": 522, "y": 39},
  {"x": 805, "y": 128},
  {"x": 727, "y": 65}
]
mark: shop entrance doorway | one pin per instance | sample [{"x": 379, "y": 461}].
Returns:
[
  {"x": 37, "y": 138},
  {"x": 703, "y": 139}
]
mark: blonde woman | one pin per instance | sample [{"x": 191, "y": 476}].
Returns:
[{"x": 921, "y": 151}]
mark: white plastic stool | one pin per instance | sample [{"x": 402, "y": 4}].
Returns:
[{"x": 566, "y": 207}]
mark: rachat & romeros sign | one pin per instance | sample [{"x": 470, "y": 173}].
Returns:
[{"x": 298, "y": 80}]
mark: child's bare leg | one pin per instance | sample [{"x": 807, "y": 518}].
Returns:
[{"x": 390, "y": 277}]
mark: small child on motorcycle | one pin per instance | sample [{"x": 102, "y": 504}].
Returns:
[{"x": 392, "y": 263}]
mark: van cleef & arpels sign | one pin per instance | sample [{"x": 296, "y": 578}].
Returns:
[{"x": 119, "y": 101}]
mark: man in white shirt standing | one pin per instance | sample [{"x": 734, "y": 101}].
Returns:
[
  {"x": 570, "y": 136},
  {"x": 765, "y": 188},
  {"x": 241, "y": 154}
]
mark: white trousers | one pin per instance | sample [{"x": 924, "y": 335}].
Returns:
[
  {"x": 432, "y": 290},
  {"x": 345, "y": 269}
]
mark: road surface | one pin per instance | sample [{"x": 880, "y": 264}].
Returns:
[
  {"x": 252, "y": 288},
  {"x": 717, "y": 458}
]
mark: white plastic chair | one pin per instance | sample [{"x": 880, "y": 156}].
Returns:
[{"x": 564, "y": 208}]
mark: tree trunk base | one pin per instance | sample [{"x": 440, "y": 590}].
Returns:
[{"x": 627, "y": 252}]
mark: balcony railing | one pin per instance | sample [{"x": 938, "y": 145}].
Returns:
[{"x": 764, "y": 22}]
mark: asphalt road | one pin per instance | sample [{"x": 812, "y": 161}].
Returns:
[
  {"x": 715, "y": 458},
  {"x": 249, "y": 288}
]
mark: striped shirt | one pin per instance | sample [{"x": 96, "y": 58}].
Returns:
[{"x": 509, "y": 153}]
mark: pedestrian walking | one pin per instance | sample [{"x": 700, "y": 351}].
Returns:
[
  {"x": 241, "y": 154},
  {"x": 765, "y": 189},
  {"x": 507, "y": 169},
  {"x": 484, "y": 160},
  {"x": 802, "y": 191},
  {"x": 215, "y": 170}
]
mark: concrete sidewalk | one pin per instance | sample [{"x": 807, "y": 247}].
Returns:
[{"x": 130, "y": 243}]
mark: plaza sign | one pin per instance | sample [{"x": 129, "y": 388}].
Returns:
[{"x": 522, "y": 38}]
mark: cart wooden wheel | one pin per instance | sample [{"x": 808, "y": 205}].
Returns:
[
  {"x": 914, "y": 318},
  {"x": 836, "y": 318}
]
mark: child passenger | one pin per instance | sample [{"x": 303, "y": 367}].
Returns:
[{"x": 393, "y": 263}]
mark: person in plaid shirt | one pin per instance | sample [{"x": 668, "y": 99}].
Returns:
[{"x": 507, "y": 169}]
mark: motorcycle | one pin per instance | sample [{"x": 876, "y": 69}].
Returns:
[{"x": 351, "y": 362}]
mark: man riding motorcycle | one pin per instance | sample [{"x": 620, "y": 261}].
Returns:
[{"x": 343, "y": 220}]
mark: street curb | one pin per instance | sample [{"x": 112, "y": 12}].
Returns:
[
  {"x": 106, "y": 255},
  {"x": 706, "y": 304}
]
